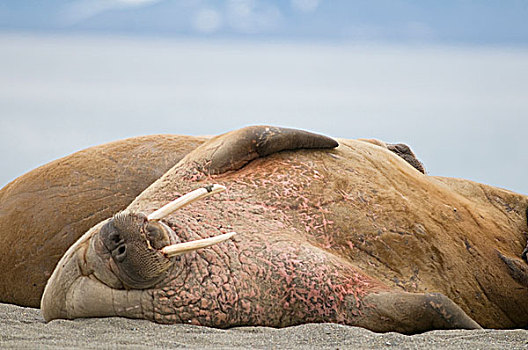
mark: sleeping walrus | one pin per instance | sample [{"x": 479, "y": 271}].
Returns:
[
  {"x": 66, "y": 197},
  {"x": 353, "y": 235},
  {"x": 45, "y": 211}
]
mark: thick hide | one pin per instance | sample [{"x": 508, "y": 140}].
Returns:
[
  {"x": 352, "y": 235},
  {"x": 45, "y": 211}
]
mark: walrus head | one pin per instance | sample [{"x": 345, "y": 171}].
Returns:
[
  {"x": 130, "y": 251},
  {"x": 131, "y": 245}
]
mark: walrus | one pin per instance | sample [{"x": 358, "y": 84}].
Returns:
[
  {"x": 66, "y": 197},
  {"x": 353, "y": 235}
]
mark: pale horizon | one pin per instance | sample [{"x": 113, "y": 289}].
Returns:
[{"x": 462, "y": 109}]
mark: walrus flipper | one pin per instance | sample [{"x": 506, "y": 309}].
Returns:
[
  {"x": 517, "y": 268},
  {"x": 407, "y": 154},
  {"x": 233, "y": 150},
  {"x": 412, "y": 313},
  {"x": 401, "y": 150}
]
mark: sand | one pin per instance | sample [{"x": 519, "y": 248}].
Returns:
[{"x": 25, "y": 328}]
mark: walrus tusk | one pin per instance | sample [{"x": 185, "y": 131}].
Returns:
[
  {"x": 181, "y": 248},
  {"x": 185, "y": 200}
]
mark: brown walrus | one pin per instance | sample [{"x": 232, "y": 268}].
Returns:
[
  {"x": 66, "y": 197},
  {"x": 353, "y": 235}
]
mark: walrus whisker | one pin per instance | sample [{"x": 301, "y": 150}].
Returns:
[
  {"x": 182, "y": 248},
  {"x": 184, "y": 200}
]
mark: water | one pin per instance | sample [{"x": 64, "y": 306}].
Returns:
[{"x": 464, "y": 111}]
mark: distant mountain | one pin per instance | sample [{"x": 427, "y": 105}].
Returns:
[{"x": 495, "y": 22}]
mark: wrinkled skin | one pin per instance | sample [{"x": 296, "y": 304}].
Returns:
[
  {"x": 353, "y": 235},
  {"x": 65, "y": 198}
]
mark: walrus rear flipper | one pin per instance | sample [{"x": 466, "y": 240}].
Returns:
[
  {"x": 517, "y": 268},
  {"x": 407, "y": 154},
  {"x": 233, "y": 150},
  {"x": 412, "y": 313}
]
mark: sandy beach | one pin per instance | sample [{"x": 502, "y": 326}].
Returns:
[{"x": 23, "y": 328}]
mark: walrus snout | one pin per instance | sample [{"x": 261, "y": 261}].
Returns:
[
  {"x": 140, "y": 245},
  {"x": 133, "y": 243},
  {"x": 116, "y": 233}
]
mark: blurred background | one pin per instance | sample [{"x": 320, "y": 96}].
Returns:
[{"x": 449, "y": 78}]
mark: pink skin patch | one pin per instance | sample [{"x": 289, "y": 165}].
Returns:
[{"x": 278, "y": 270}]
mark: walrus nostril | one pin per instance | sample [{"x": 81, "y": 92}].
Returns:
[{"x": 119, "y": 254}]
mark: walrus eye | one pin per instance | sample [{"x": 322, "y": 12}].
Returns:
[{"x": 156, "y": 235}]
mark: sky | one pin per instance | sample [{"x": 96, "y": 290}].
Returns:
[
  {"x": 448, "y": 78},
  {"x": 475, "y": 22}
]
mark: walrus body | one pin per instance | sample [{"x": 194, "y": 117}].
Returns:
[
  {"x": 352, "y": 235},
  {"x": 66, "y": 197}
]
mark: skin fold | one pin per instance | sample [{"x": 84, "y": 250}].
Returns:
[
  {"x": 66, "y": 197},
  {"x": 356, "y": 234},
  {"x": 45, "y": 211}
]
